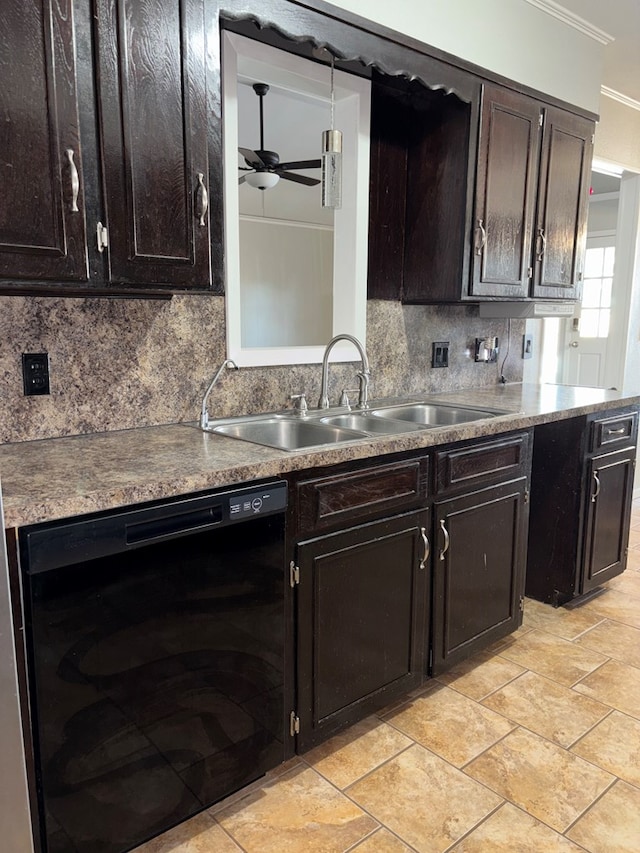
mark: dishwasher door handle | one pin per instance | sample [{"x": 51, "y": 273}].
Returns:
[{"x": 173, "y": 525}]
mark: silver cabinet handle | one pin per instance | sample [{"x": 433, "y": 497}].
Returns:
[
  {"x": 542, "y": 243},
  {"x": 597, "y": 491},
  {"x": 75, "y": 181},
  {"x": 202, "y": 200},
  {"x": 620, "y": 431},
  {"x": 427, "y": 549},
  {"x": 483, "y": 237},
  {"x": 446, "y": 539}
]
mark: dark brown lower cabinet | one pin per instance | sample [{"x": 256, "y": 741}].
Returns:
[
  {"x": 607, "y": 517},
  {"x": 581, "y": 493},
  {"x": 362, "y": 608},
  {"x": 479, "y": 564}
]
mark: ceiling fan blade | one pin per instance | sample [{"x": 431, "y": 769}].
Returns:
[
  {"x": 301, "y": 164},
  {"x": 299, "y": 179},
  {"x": 252, "y": 158}
]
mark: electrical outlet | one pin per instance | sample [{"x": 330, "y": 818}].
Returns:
[
  {"x": 35, "y": 373},
  {"x": 527, "y": 346},
  {"x": 440, "y": 354}
]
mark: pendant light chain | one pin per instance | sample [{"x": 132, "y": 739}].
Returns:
[{"x": 332, "y": 157}]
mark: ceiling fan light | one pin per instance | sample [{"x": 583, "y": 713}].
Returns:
[{"x": 262, "y": 180}]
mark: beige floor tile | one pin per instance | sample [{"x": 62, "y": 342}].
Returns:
[
  {"x": 480, "y": 675},
  {"x": 496, "y": 648},
  {"x": 614, "y": 745},
  {"x": 200, "y": 834},
  {"x": 616, "y": 684},
  {"x": 553, "y": 657},
  {"x": 548, "y": 782},
  {"x": 450, "y": 724},
  {"x": 634, "y": 535},
  {"x": 357, "y": 751},
  {"x": 382, "y": 841},
  {"x": 612, "y": 825},
  {"x": 558, "y": 620},
  {"x": 615, "y": 640},
  {"x": 301, "y": 813},
  {"x": 627, "y": 583},
  {"x": 547, "y": 708},
  {"x": 617, "y": 606},
  {"x": 633, "y": 561},
  {"x": 424, "y": 800},
  {"x": 510, "y": 830}
]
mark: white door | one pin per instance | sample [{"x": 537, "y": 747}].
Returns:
[{"x": 587, "y": 351}]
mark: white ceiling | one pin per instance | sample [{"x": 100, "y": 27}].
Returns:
[{"x": 620, "y": 19}]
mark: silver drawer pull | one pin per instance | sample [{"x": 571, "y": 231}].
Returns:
[
  {"x": 75, "y": 181},
  {"x": 427, "y": 550},
  {"x": 202, "y": 199},
  {"x": 620, "y": 431},
  {"x": 446, "y": 539},
  {"x": 483, "y": 237},
  {"x": 597, "y": 491}
]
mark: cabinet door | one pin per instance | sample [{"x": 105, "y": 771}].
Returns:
[
  {"x": 478, "y": 569},
  {"x": 561, "y": 226},
  {"x": 361, "y": 622},
  {"x": 42, "y": 226},
  {"x": 505, "y": 193},
  {"x": 151, "y": 63},
  {"x": 608, "y": 513}
]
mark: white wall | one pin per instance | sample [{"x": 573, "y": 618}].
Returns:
[
  {"x": 510, "y": 37},
  {"x": 618, "y": 135}
]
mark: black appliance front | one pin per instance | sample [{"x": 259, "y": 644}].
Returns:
[{"x": 155, "y": 644}]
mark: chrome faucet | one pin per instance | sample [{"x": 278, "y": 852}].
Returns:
[
  {"x": 204, "y": 414},
  {"x": 363, "y": 375}
]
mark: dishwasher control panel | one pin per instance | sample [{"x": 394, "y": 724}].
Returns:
[{"x": 257, "y": 502}]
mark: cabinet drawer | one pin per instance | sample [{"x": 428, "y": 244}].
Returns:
[
  {"x": 482, "y": 463},
  {"x": 620, "y": 429},
  {"x": 344, "y": 498}
]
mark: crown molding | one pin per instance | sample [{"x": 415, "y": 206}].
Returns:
[
  {"x": 572, "y": 20},
  {"x": 620, "y": 97}
]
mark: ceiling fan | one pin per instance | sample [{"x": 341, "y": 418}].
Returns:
[{"x": 264, "y": 167}]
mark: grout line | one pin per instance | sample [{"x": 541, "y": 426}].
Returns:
[
  {"x": 477, "y": 826},
  {"x": 584, "y": 734},
  {"x": 591, "y": 805}
]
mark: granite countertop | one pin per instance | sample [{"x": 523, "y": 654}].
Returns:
[{"x": 60, "y": 477}]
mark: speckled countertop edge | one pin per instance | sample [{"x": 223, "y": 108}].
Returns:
[{"x": 56, "y": 478}]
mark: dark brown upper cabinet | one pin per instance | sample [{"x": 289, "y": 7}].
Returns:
[
  {"x": 42, "y": 219},
  {"x": 505, "y": 194},
  {"x": 530, "y": 219},
  {"x": 561, "y": 223},
  {"x": 153, "y": 135}
]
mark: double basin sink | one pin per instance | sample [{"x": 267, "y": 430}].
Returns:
[{"x": 325, "y": 428}]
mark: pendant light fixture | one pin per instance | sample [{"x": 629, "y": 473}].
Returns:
[{"x": 332, "y": 158}]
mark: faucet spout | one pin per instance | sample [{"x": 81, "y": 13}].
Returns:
[
  {"x": 363, "y": 375},
  {"x": 204, "y": 414}
]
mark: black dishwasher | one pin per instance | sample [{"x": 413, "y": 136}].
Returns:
[{"x": 155, "y": 646}]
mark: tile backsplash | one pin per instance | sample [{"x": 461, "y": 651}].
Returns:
[{"x": 120, "y": 363}]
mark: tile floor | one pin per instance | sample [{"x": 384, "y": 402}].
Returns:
[{"x": 531, "y": 747}]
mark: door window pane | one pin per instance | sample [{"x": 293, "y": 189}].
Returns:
[{"x": 596, "y": 293}]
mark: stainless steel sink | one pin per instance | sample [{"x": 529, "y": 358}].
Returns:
[
  {"x": 368, "y": 423},
  {"x": 319, "y": 428},
  {"x": 288, "y": 434},
  {"x": 434, "y": 414}
]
